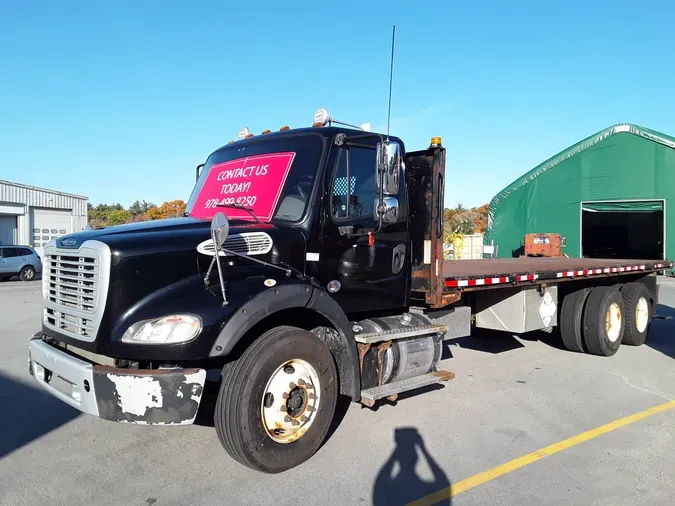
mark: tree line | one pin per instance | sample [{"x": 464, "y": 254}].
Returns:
[
  {"x": 464, "y": 221},
  {"x": 107, "y": 215},
  {"x": 458, "y": 220}
]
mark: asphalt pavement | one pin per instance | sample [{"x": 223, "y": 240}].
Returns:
[{"x": 511, "y": 396}]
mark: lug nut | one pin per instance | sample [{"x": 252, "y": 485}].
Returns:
[
  {"x": 301, "y": 382},
  {"x": 303, "y": 418},
  {"x": 313, "y": 397},
  {"x": 287, "y": 419},
  {"x": 283, "y": 409},
  {"x": 295, "y": 423},
  {"x": 285, "y": 396},
  {"x": 292, "y": 386}
]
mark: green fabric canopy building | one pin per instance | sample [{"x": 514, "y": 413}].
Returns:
[{"x": 609, "y": 196}]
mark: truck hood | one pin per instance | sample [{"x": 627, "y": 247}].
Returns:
[
  {"x": 158, "y": 268},
  {"x": 189, "y": 239}
]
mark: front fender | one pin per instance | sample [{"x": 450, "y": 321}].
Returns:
[
  {"x": 293, "y": 296},
  {"x": 267, "y": 302}
]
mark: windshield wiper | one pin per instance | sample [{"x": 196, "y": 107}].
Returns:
[{"x": 235, "y": 205}]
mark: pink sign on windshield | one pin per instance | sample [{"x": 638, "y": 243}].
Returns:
[{"x": 254, "y": 182}]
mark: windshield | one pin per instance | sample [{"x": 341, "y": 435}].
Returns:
[{"x": 273, "y": 177}]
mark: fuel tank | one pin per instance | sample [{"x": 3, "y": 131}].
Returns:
[{"x": 390, "y": 361}]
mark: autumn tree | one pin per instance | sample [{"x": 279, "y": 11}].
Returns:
[{"x": 170, "y": 209}]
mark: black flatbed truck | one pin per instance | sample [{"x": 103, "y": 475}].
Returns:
[{"x": 334, "y": 288}]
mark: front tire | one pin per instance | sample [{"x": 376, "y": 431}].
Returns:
[{"x": 277, "y": 401}]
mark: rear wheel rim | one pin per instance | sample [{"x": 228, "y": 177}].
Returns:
[
  {"x": 613, "y": 322},
  {"x": 290, "y": 401},
  {"x": 641, "y": 314},
  {"x": 29, "y": 274}
]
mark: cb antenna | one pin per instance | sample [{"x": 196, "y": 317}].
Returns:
[{"x": 391, "y": 77}]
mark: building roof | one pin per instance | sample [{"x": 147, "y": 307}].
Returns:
[
  {"x": 576, "y": 149},
  {"x": 46, "y": 190}
]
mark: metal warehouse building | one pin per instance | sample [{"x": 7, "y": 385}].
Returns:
[
  {"x": 32, "y": 216},
  {"x": 611, "y": 195}
]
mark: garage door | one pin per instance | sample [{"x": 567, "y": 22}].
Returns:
[
  {"x": 49, "y": 224},
  {"x": 7, "y": 229}
]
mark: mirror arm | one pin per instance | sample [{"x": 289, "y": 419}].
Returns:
[{"x": 216, "y": 257}]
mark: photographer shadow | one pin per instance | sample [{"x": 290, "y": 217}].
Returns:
[{"x": 398, "y": 481}]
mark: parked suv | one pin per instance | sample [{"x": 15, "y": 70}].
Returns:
[{"x": 21, "y": 261}]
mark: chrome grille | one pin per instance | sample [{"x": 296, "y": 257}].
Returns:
[
  {"x": 73, "y": 281},
  {"x": 74, "y": 288}
]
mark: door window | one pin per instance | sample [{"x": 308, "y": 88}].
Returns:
[
  {"x": 354, "y": 187},
  {"x": 10, "y": 253}
]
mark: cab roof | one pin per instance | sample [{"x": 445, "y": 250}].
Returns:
[{"x": 326, "y": 131}]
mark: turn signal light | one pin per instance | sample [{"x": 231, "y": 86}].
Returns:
[{"x": 435, "y": 142}]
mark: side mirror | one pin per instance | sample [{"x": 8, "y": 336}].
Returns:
[
  {"x": 389, "y": 210},
  {"x": 220, "y": 228},
  {"x": 198, "y": 171},
  {"x": 389, "y": 154}
]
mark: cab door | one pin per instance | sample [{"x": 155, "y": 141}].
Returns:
[{"x": 362, "y": 273}]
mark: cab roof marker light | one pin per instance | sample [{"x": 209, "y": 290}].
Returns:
[
  {"x": 321, "y": 117},
  {"x": 244, "y": 132},
  {"x": 266, "y": 132},
  {"x": 284, "y": 128}
]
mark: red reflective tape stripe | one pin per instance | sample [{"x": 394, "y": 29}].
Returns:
[
  {"x": 475, "y": 282},
  {"x": 528, "y": 277}
]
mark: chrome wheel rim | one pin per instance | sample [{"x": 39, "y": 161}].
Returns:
[{"x": 290, "y": 401}]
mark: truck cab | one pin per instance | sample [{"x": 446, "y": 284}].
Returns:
[{"x": 321, "y": 228}]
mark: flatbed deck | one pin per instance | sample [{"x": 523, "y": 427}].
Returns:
[{"x": 495, "y": 271}]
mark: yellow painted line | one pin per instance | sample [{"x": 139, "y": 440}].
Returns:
[{"x": 496, "y": 472}]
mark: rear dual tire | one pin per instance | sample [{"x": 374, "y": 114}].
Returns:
[
  {"x": 260, "y": 417},
  {"x": 604, "y": 324},
  {"x": 638, "y": 305},
  {"x": 598, "y": 320}
]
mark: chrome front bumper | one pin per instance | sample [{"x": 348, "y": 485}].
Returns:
[{"x": 151, "y": 397}]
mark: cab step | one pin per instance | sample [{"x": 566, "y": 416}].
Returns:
[
  {"x": 375, "y": 337},
  {"x": 391, "y": 391}
]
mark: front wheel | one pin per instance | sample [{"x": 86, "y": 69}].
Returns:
[{"x": 277, "y": 401}]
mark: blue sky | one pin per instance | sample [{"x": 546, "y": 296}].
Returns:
[{"x": 121, "y": 100}]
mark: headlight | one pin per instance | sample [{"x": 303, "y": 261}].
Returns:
[{"x": 176, "y": 328}]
